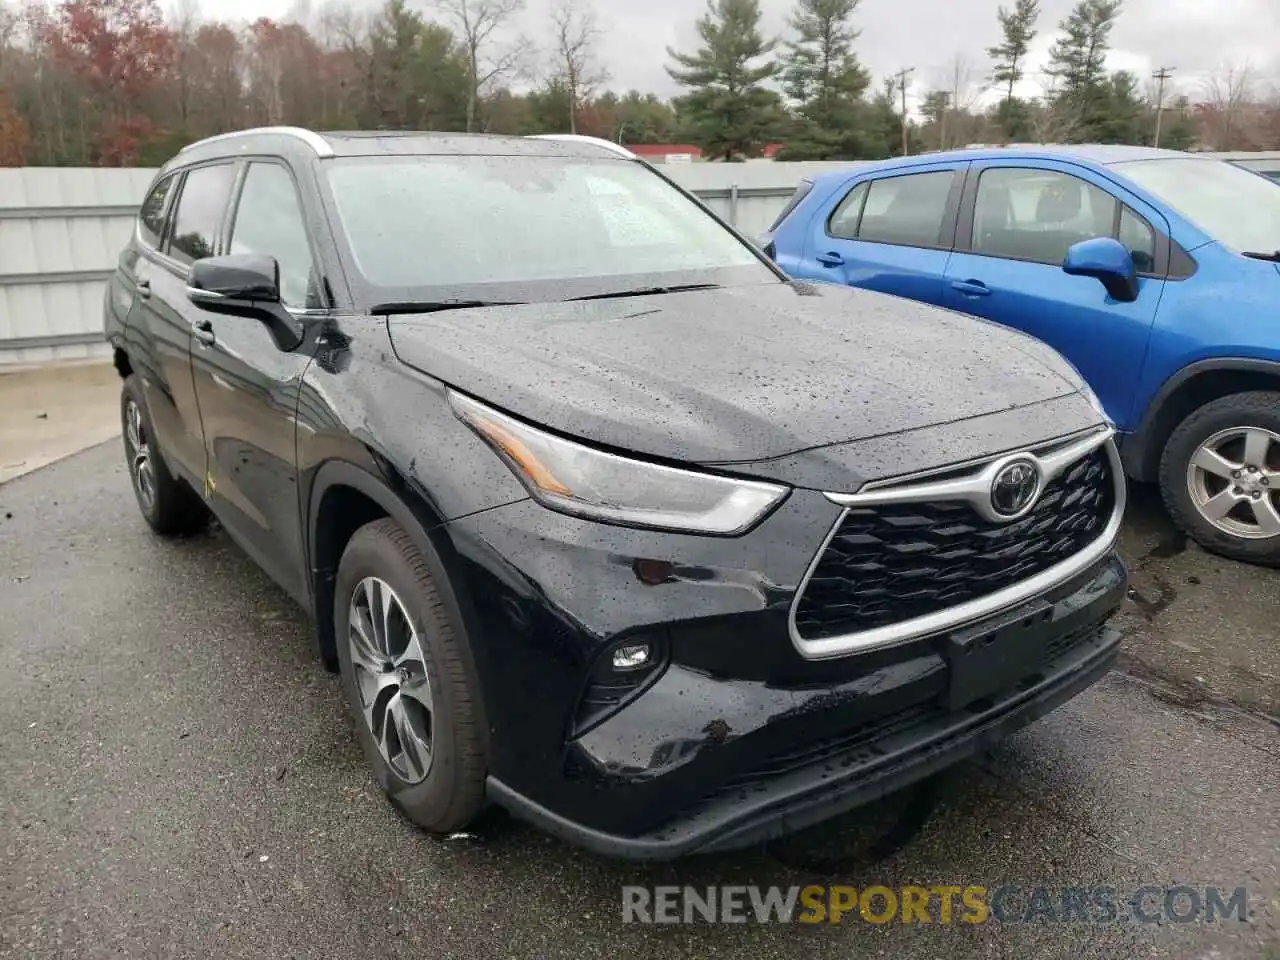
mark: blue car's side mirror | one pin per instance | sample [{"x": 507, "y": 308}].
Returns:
[{"x": 1108, "y": 260}]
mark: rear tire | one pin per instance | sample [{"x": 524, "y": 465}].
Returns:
[
  {"x": 1220, "y": 477},
  {"x": 407, "y": 684},
  {"x": 170, "y": 506}
]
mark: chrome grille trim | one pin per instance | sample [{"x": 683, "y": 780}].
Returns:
[{"x": 1053, "y": 461}]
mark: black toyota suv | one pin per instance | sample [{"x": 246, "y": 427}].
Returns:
[{"x": 601, "y": 517}]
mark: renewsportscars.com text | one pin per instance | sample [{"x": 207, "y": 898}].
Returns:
[{"x": 937, "y": 904}]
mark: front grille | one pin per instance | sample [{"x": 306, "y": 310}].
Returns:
[{"x": 893, "y": 562}]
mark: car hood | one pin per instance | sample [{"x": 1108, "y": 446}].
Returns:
[{"x": 734, "y": 375}]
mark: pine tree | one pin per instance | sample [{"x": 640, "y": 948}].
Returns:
[
  {"x": 1078, "y": 61},
  {"x": 1019, "y": 28},
  {"x": 823, "y": 78},
  {"x": 1079, "y": 58},
  {"x": 728, "y": 113}
]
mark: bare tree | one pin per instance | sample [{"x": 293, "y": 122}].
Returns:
[
  {"x": 1228, "y": 94},
  {"x": 576, "y": 34},
  {"x": 488, "y": 57},
  {"x": 1055, "y": 118},
  {"x": 963, "y": 92},
  {"x": 183, "y": 17}
]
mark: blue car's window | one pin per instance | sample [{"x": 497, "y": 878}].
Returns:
[
  {"x": 906, "y": 210},
  {"x": 1137, "y": 235},
  {"x": 844, "y": 221},
  {"x": 1230, "y": 204},
  {"x": 1029, "y": 214},
  {"x": 802, "y": 191}
]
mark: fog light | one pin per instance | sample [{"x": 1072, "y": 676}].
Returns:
[{"x": 631, "y": 656}]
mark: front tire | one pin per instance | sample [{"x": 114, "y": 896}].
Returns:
[
  {"x": 406, "y": 682},
  {"x": 1220, "y": 477},
  {"x": 167, "y": 503}
]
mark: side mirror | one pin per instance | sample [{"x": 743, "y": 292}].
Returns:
[
  {"x": 1107, "y": 260},
  {"x": 244, "y": 285}
]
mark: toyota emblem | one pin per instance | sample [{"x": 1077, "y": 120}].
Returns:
[{"x": 1015, "y": 488}]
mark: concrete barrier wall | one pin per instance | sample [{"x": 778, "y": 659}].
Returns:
[{"x": 62, "y": 229}]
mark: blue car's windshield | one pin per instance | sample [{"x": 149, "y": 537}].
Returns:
[
  {"x": 527, "y": 228},
  {"x": 1233, "y": 205}
]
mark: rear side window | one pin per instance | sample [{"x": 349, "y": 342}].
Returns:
[
  {"x": 844, "y": 221},
  {"x": 201, "y": 205},
  {"x": 802, "y": 191},
  {"x": 151, "y": 216},
  {"x": 906, "y": 210}
]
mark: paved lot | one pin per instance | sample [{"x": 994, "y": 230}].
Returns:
[
  {"x": 47, "y": 413},
  {"x": 178, "y": 778}
]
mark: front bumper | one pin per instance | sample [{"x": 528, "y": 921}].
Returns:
[
  {"x": 840, "y": 781},
  {"x": 735, "y": 737}
]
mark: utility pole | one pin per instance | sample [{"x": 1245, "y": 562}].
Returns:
[
  {"x": 901, "y": 77},
  {"x": 1160, "y": 76}
]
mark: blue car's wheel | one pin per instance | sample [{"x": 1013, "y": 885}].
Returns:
[{"x": 1220, "y": 475}]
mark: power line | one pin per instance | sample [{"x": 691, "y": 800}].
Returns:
[
  {"x": 1160, "y": 75},
  {"x": 901, "y": 77}
]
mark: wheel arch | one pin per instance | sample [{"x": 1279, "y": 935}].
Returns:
[
  {"x": 343, "y": 498},
  {"x": 1191, "y": 387}
]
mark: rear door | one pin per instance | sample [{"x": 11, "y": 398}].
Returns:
[
  {"x": 161, "y": 312},
  {"x": 891, "y": 231},
  {"x": 1017, "y": 221}
]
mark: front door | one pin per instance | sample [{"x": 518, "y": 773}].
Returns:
[
  {"x": 247, "y": 386},
  {"x": 1017, "y": 222}
]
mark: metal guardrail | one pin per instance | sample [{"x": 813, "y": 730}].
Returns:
[
  {"x": 58, "y": 213},
  {"x": 64, "y": 276},
  {"x": 91, "y": 338}
]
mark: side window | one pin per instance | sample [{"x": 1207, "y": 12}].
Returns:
[
  {"x": 844, "y": 221},
  {"x": 154, "y": 208},
  {"x": 1136, "y": 234},
  {"x": 906, "y": 210},
  {"x": 1029, "y": 214},
  {"x": 269, "y": 220},
  {"x": 200, "y": 208}
]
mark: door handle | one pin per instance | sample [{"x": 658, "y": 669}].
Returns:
[
  {"x": 972, "y": 288},
  {"x": 202, "y": 330},
  {"x": 144, "y": 288},
  {"x": 831, "y": 259}
]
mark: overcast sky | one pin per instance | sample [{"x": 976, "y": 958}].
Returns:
[{"x": 1198, "y": 37}]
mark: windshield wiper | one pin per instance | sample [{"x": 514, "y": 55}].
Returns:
[
  {"x": 435, "y": 306},
  {"x": 647, "y": 291},
  {"x": 1274, "y": 255}
]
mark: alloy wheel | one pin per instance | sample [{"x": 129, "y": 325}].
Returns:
[
  {"x": 391, "y": 678},
  {"x": 1234, "y": 481},
  {"x": 138, "y": 449}
]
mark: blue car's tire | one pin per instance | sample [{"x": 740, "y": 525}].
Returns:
[{"x": 1220, "y": 476}]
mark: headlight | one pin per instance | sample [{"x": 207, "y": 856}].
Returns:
[{"x": 578, "y": 480}]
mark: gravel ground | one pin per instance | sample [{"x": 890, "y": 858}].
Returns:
[{"x": 178, "y": 778}]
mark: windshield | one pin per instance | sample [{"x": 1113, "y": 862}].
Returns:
[
  {"x": 1232, "y": 205},
  {"x": 527, "y": 228}
]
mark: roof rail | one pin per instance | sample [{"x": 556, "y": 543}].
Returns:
[
  {"x": 615, "y": 148},
  {"x": 316, "y": 142}
]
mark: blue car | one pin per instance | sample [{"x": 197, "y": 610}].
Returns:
[{"x": 1156, "y": 273}]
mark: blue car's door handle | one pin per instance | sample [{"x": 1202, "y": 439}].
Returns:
[
  {"x": 831, "y": 259},
  {"x": 973, "y": 288}
]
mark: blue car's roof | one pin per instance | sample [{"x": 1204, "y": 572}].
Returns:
[{"x": 1088, "y": 153}]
